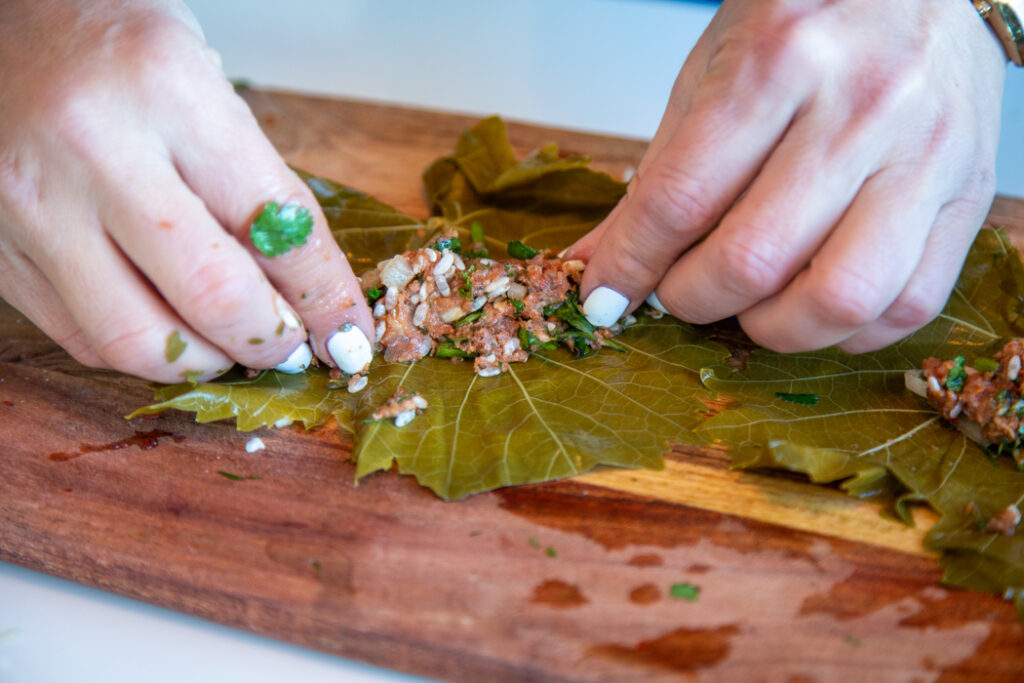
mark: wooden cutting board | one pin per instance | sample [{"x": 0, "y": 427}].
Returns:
[{"x": 567, "y": 581}]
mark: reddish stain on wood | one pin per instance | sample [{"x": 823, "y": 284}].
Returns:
[
  {"x": 646, "y": 560},
  {"x": 555, "y": 593},
  {"x": 144, "y": 441},
  {"x": 684, "y": 650},
  {"x": 645, "y": 594}
]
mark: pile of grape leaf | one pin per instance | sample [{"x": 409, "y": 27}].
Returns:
[{"x": 835, "y": 417}]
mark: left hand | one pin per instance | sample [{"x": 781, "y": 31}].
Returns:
[{"x": 821, "y": 172}]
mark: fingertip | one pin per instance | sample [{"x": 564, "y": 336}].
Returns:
[
  {"x": 604, "y": 306},
  {"x": 349, "y": 348},
  {"x": 297, "y": 361}
]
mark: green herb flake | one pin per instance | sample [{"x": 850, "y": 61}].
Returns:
[
  {"x": 452, "y": 244},
  {"x": 278, "y": 229},
  {"x": 518, "y": 305},
  {"x": 550, "y": 552},
  {"x": 315, "y": 563},
  {"x": 476, "y": 230},
  {"x": 450, "y": 350},
  {"x": 374, "y": 293},
  {"x": 957, "y": 375},
  {"x": 467, "y": 291},
  {"x": 175, "y": 347},
  {"x": 255, "y": 341},
  {"x": 517, "y": 249},
  {"x": 534, "y": 543},
  {"x": 853, "y": 641},
  {"x": 234, "y": 477},
  {"x": 684, "y": 591},
  {"x": 472, "y": 317},
  {"x": 802, "y": 399},
  {"x": 986, "y": 364}
]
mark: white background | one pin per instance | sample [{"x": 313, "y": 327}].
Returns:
[{"x": 600, "y": 65}]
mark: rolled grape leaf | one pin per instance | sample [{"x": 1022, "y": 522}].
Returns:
[
  {"x": 879, "y": 440},
  {"x": 551, "y": 417}
]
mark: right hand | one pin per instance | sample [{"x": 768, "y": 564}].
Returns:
[{"x": 130, "y": 173}]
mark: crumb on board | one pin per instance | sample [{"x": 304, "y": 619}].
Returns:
[{"x": 254, "y": 444}]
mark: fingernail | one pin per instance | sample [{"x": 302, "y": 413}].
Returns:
[
  {"x": 565, "y": 251},
  {"x": 285, "y": 312},
  {"x": 604, "y": 307},
  {"x": 350, "y": 349},
  {"x": 655, "y": 302},
  {"x": 298, "y": 361}
]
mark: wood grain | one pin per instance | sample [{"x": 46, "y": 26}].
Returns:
[{"x": 568, "y": 581}]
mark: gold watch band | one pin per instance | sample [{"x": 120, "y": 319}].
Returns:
[{"x": 1005, "y": 19}]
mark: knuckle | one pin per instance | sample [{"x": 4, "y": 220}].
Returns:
[
  {"x": 844, "y": 297},
  {"x": 752, "y": 266},
  {"x": 217, "y": 296},
  {"x": 677, "y": 200},
  {"x": 135, "y": 351},
  {"x": 913, "y": 309}
]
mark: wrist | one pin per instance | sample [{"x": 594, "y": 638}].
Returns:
[{"x": 1005, "y": 18}]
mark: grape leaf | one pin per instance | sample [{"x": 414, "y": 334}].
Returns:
[
  {"x": 552, "y": 417},
  {"x": 879, "y": 440}
]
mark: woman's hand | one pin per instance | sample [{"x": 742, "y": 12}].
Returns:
[
  {"x": 821, "y": 171},
  {"x": 130, "y": 175}
]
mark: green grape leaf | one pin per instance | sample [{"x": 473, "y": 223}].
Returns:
[{"x": 878, "y": 440}]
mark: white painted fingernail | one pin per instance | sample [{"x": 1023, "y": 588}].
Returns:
[
  {"x": 350, "y": 349},
  {"x": 604, "y": 307},
  {"x": 565, "y": 251},
  {"x": 285, "y": 312},
  {"x": 655, "y": 302},
  {"x": 298, "y": 361}
]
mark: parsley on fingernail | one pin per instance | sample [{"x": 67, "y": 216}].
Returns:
[{"x": 277, "y": 229}]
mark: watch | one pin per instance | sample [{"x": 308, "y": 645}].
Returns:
[{"x": 1005, "y": 19}]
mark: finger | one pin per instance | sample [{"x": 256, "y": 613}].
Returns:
[
  {"x": 717, "y": 149},
  {"x": 678, "y": 104},
  {"x": 235, "y": 170},
  {"x": 928, "y": 289},
  {"x": 858, "y": 272},
  {"x": 23, "y": 286},
  {"x": 204, "y": 274},
  {"x": 128, "y": 324},
  {"x": 770, "y": 234}
]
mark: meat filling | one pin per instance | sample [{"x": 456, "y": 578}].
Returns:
[
  {"x": 989, "y": 394},
  {"x": 437, "y": 301}
]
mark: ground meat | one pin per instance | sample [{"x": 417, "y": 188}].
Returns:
[
  {"x": 992, "y": 397},
  {"x": 435, "y": 301},
  {"x": 1005, "y": 521},
  {"x": 403, "y": 406}
]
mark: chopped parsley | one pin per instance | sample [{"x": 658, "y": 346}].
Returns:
[
  {"x": 517, "y": 249},
  {"x": 534, "y": 543},
  {"x": 957, "y": 375},
  {"x": 986, "y": 364},
  {"x": 255, "y": 341},
  {"x": 518, "y": 305},
  {"x": 528, "y": 340},
  {"x": 466, "y": 292},
  {"x": 684, "y": 591},
  {"x": 279, "y": 228},
  {"x": 476, "y": 231},
  {"x": 452, "y": 244},
  {"x": 450, "y": 350},
  {"x": 802, "y": 399},
  {"x": 550, "y": 552},
  {"x": 233, "y": 477},
  {"x": 374, "y": 293},
  {"x": 472, "y": 317},
  {"x": 175, "y": 347}
]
